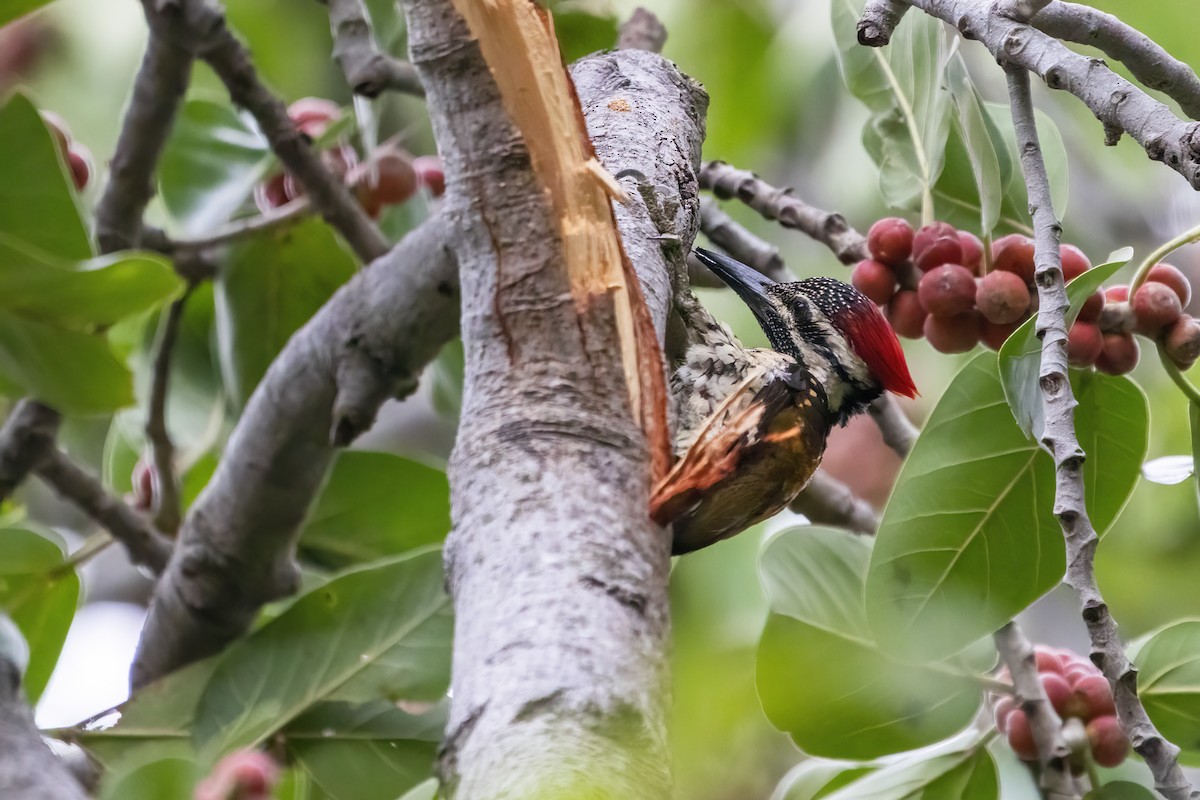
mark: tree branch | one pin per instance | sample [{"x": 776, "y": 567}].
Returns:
[
  {"x": 168, "y": 507},
  {"x": 879, "y": 20},
  {"x": 146, "y": 546},
  {"x": 28, "y": 769},
  {"x": 1146, "y": 59},
  {"x": 898, "y": 432},
  {"x": 739, "y": 242},
  {"x": 368, "y": 343},
  {"x": 828, "y": 228},
  {"x": 159, "y": 89},
  {"x": 26, "y": 438},
  {"x": 828, "y": 501},
  {"x": 1017, "y": 653},
  {"x": 642, "y": 31},
  {"x": 1059, "y": 437},
  {"x": 368, "y": 71},
  {"x": 1117, "y": 103}
]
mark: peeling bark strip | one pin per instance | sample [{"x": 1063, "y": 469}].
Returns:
[
  {"x": 521, "y": 50},
  {"x": 558, "y": 576}
]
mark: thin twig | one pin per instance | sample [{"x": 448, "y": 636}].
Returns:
[
  {"x": 25, "y": 440},
  {"x": 168, "y": 507},
  {"x": 1053, "y": 753},
  {"x": 1145, "y": 58},
  {"x": 642, "y": 31},
  {"x": 1120, "y": 106},
  {"x": 879, "y": 20},
  {"x": 291, "y": 212},
  {"x": 1058, "y": 404},
  {"x": 739, "y": 242},
  {"x": 828, "y": 228},
  {"x": 828, "y": 501},
  {"x": 898, "y": 432},
  {"x": 368, "y": 70},
  {"x": 147, "y": 547}
]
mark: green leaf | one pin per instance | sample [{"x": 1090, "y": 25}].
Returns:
[
  {"x": 13, "y": 647},
  {"x": 271, "y": 285},
  {"x": 37, "y": 201},
  {"x": 81, "y": 294},
  {"x": 381, "y": 632},
  {"x": 423, "y": 791},
  {"x": 40, "y": 597},
  {"x": 823, "y": 679},
  {"x": 962, "y": 769},
  {"x": 968, "y": 538},
  {"x": 817, "y": 777},
  {"x": 1169, "y": 684},
  {"x": 1021, "y": 355},
  {"x": 163, "y": 778},
  {"x": 1194, "y": 421},
  {"x": 902, "y": 85},
  {"x": 210, "y": 165},
  {"x": 1112, "y": 423},
  {"x": 71, "y": 371},
  {"x": 1054, "y": 153},
  {"x": 990, "y": 161},
  {"x": 376, "y": 505},
  {"x": 372, "y": 751},
  {"x": 1121, "y": 790}
]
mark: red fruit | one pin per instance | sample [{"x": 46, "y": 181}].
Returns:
[
  {"x": 1165, "y": 273},
  {"x": 1155, "y": 306},
  {"x": 890, "y": 240},
  {"x": 1091, "y": 308},
  {"x": 1003, "y": 708},
  {"x": 1020, "y": 735},
  {"x": 1093, "y": 696},
  {"x": 1109, "y": 743},
  {"x": 430, "y": 174},
  {"x": 1058, "y": 691},
  {"x": 1118, "y": 355},
  {"x": 956, "y": 334},
  {"x": 1014, "y": 253},
  {"x": 1047, "y": 660},
  {"x": 972, "y": 251},
  {"x": 339, "y": 160},
  {"x": 1077, "y": 672},
  {"x": 1116, "y": 294},
  {"x": 1074, "y": 262},
  {"x": 905, "y": 314},
  {"x": 241, "y": 775},
  {"x": 947, "y": 290},
  {"x": 936, "y": 244},
  {"x": 58, "y": 128},
  {"x": 392, "y": 178},
  {"x": 994, "y": 336},
  {"x": 1084, "y": 343},
  {"x": 271, "y": 193},
  {"x": 1002, "y": 297},
  {"x": 875, "y": 280},
  {"x": 143, "y": 485},
  {"x": 1181, "y": 342},
  {"x": 79, "y": 160},
  {"x": 312, "y": 115}
]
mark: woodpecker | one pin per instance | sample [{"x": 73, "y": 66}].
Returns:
[{"x": 752, "y": 422}]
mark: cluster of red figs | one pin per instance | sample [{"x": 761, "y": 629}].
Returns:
[
  {"x": 241, "y": 775},
  {"x": 391, "y": 177},
  {"x": 932, "y": 283},
  {"x": 1075, "y": 688},
  {"x": 76, "y": 156}
]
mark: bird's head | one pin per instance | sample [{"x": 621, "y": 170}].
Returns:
[{"x": 830, "y": 327}]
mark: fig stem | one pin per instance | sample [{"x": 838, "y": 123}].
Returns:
[{"x": 1161, "y": 252}]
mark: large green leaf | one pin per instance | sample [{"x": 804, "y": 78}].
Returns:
[
  {"x": 968, "y": 538},
  {"x": 821, "y": 676},
  {"x": 902, "y": 85},
  {"x": 960, "y": 770},
  {"x": 11, "y": 9},
  {"x": 72, "y": 371},
  {"x": 1169, "y": 684},
  {"x": 1021, "y": 355},
  {"x": 37, "y": 202},
  {"x": 271, "y": 285},
  {"x": 40, "y": 596},
  {"x": 376, "y": 505},
  {"x": 162, "y": 778},
  {"x": 990, "y": 161},
  {"x": 1121, "y": 790},
  {"x": 1112, "y": 423},
  {"x": 372, "y": 751},
  {"x": 210, "y": 165},
  {"x": 814, "y": 778},
  {"x": 81, "y": 294},
  {"x": 381, "y": 632}
]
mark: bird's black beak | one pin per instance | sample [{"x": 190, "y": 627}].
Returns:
[{"x": 750, "y": 284}]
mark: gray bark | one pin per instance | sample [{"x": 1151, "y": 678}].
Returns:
[
  {"x": 28, "y": 769},
  {"x": 558, "y": 575}
]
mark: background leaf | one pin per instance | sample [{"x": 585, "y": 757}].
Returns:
[
  {"x": 990, "y": 161},
  {"x": 381, "y": 632},
  {"x": 817, "y": 777},
  {"x": 1121, "y": 790},
  {"x": 1169, "y": 684},
  {"x": 40, "y": 597},
  {"x": 821, "y": 676},
  {"x": 960, "y": 770},
  {"x": 1169, "y": 470},
  {"x": 156, "y": 780}
]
